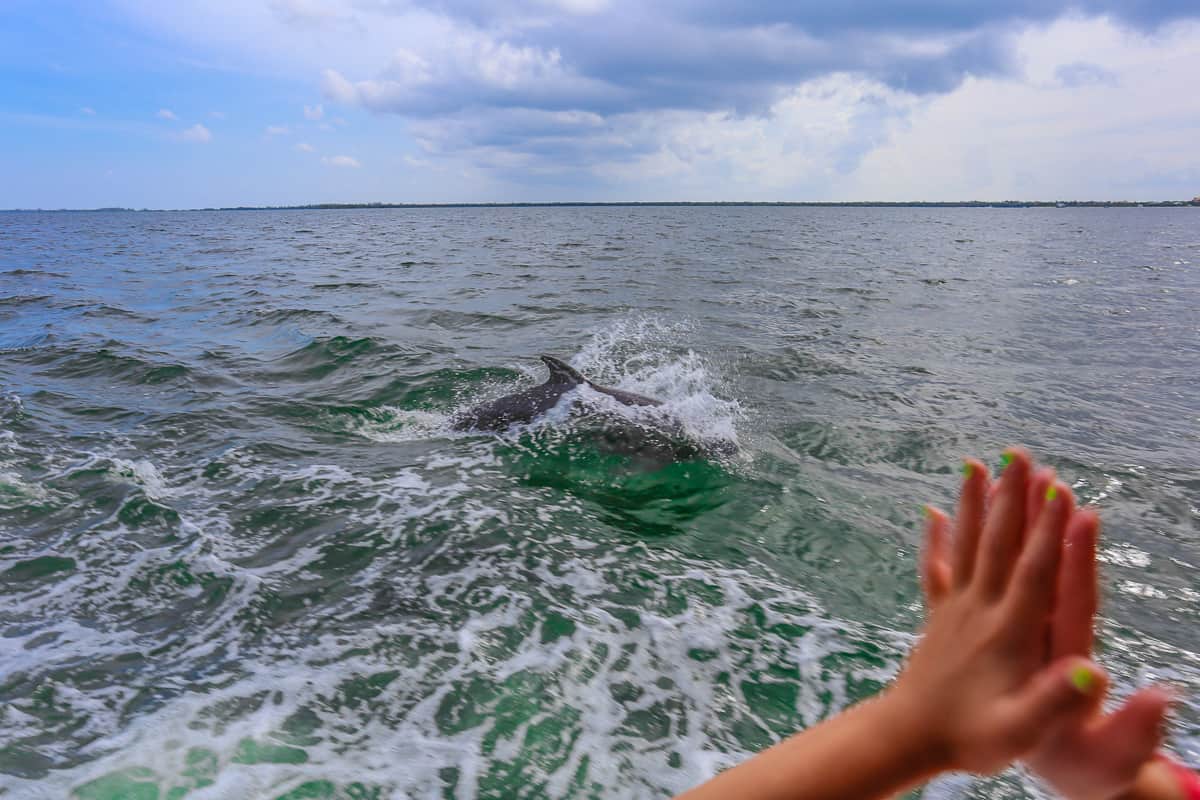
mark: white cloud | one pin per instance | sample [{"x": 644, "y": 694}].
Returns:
[
  {"x": 297, "y": 37},
  {"x": 166, "y": 113},
  {"x": 310, "y": 13},
  {"x": 304, "y": 147},
  {"x": 582, "y": 7},
  {"x": 465, "y": 67},
  {"x": 1130, "y": 136},
  {"x": 88, "y": 110},
  {"x": 1094, "y": 109},
  {"x": 276, "y": 130},
  {"x": 843, "y": 137},
  {"x": 337, "y": 88},
  {"x": 341, "y": 161},
  {"x": 806, "y": 143},
  {"x": 314, "y": 113},
  {"x": 197, "y": 133}
]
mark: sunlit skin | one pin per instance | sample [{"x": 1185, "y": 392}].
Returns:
[
  {"x": 1001, "y": 671},
  {"x": 1088, "y": 754}
]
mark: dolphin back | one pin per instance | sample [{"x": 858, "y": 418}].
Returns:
[
  {"x": 562, "y": 372},
  {"x": 525, "y": 405},
  {"x": 624, "y": 397},
  {"x": 665, "y": 437},
  {"x": 517, "y": 408}
]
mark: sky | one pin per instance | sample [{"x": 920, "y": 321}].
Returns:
[{"x": 195, "y": 103}]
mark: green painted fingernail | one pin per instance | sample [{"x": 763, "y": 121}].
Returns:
[
  {"x": 968, "y": 469},
  {"x": 1083, "y": 679},
  {"x": 1006, "y": 458},
  {"x": 1051, "y": 492}
]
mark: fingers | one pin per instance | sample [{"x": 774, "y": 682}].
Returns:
[
  {"x": 1036, "y": 497},
  {"x": 1004, "y": 530},
  {"x": 968, "y": 524},
  {"x": 1129, "y": 736},
  {"x": 1068, "y": 687},
  {"x": 935, "y": 557},
  {"x": 1076, "y": 599},
  {"x": 1035, "y": 578}
]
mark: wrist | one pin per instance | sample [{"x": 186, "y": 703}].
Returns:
[{"x": 914, "y": 730}]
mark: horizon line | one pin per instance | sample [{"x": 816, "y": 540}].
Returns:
[{"x": 1194, "y": 202}]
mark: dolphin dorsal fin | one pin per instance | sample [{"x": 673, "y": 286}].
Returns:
[{"x": 561, "y": 372}]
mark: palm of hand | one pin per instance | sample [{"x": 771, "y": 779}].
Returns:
[
  {"x": 983, "y": 729},
  {"x": 978, "y": 665},
  {"x": 1086, "y": 754}
]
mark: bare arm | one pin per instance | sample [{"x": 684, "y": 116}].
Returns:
[{"x": 873, "y": 750}]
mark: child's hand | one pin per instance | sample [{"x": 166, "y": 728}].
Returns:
[
  {"x": 1083, "y": 753},
  {"x": 999, "y": 673},
  {"x": 980, "y": 682}
]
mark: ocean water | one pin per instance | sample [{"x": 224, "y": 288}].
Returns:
[{"x": 243, "y": 553}]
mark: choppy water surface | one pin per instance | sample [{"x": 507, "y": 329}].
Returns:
[{"x": 242, "y": 554}]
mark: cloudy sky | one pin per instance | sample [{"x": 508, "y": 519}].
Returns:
[{"x": 220, "y": 102}]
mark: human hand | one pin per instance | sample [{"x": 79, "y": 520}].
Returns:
[
  {"x": 1084, "y": 753},
  {"x": 980, "y": 678}
]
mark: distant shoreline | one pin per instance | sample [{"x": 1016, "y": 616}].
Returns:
[{"x": 665, "y": 204}]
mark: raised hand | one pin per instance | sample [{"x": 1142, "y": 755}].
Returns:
[
  {"x": 1000, "y": 672},
  {"x": 1084, "y": 754},
  {"x": 982, "y": 668}
]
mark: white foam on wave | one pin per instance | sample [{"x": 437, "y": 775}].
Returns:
[
  {"x": 643, "y": 681},
  {"x": 104, "y": 579},
  {"x": 476, "y": 620},
  {"x": 16, "y": 492},
  {"x": 398, "y": 739},
  {"x": 639, "y": 355},
  {"x": 144, "y": 474},
  {"x": 393, "y": 424}
]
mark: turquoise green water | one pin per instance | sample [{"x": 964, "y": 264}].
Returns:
[{"x": 243, "y": 554}]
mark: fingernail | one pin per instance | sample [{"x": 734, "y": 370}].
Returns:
[
  {"x": 968, "y": 469},
  {"x": 927, "y": 511},
  {"x": 1006, "y": 458},
  {"x": 1083, "y": 680},
  {"x": 1188, "y": 781},
  {"x": 1051, "y": 492}
]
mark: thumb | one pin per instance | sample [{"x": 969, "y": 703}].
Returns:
[
  {"x": 1130, "y": 735},
  {"x": 935, "y": 558},
  {"x": 1064, "y": 689}
]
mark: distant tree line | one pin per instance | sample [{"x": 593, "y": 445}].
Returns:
[{"x": 1195, "y": 201}]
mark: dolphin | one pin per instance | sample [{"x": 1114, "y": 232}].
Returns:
[{"x": 528, "y": 404}]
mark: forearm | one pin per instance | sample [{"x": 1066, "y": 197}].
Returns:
[{"x": 873, "y": 750}]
